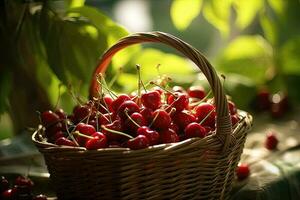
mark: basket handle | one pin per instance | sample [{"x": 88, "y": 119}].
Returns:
[{"x": 224, "y": 127}]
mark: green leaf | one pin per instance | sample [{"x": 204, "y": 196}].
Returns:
[
  {"x": 250, "y": 56},
  {"x": 75, "y": 3},
  {"x": 183, "y": 12},
  {"x": 279, "y": 6},
  {"x": 218, "y": 14},
  {"x": 246, "y": 11},
  {"x": 269, "y": 28},
  {"x": 289, "y": 56}
]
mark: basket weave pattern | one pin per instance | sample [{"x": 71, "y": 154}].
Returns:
[{"x": 191, "y": 169}]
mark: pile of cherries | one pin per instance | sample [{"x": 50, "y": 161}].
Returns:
[
  {"x": 156, "y": 115},
  {"x": 21, "y": 190}
]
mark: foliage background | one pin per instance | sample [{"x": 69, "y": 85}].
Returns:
[{"x": 46, "y": 45}]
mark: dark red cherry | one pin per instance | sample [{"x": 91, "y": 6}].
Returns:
[
  {"x": 40, "y": 197},
  {"x": 81, "y": 112},
  {"x": 242, "y": 171},
  {"x": 168, "y": 136},
  {"x": 52, "y": 129},
  {"x": 174, "y": 127},
  {"x": 205, "y": 110},
  {"x": 23, "y": 181},
  {"x": 151, "y": 99},
  {"x": 61, "y": 113},
  {"x": 196, "y": 92},
  {"x": 263, "y": 100},
  {"x": 4, "y": 185},
  {"x": 194, "y": 130},
  {"x": 138, "y": 119},
  {"x": 147, "y": 114},
  {"x": 65, "y": 142},
  {"x": 7, "y": 195},
  {"x": 153, "y": 136},
  {"x": 99, "y": 141},
  {"x": 183, "y": 118},
  {"x": 232, "y": 108},
  {"x": 49, "y": 118},
  {"x": 234, "y": 119},
  {"x": 129, "y": 107},
  {"x": 271, "y": 141},
  {"x": 139, "y": 142},
  {"x": 117, "y": 126},
  {"x": 85, "y": 129},
  {"x": 118, "y": 101},
  {"x": 180, "y": 101},
  {"x": 161, "y": 120}
]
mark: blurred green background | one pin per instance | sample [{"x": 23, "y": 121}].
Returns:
[{"x": 48, "y": 47}]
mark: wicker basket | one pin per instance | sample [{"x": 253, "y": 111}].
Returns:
[{"x": 191, "y": 169}]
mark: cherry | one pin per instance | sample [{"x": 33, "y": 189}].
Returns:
[
  {"x": 151, "y": 99},
  {"x": 279, "y": 105},
  {"x": 271, "y": 141},
  {"x": 81, "y": 112},
  {"x": 177, "y": 88},
  {"x": 99, "y": 141},
  {"x": 40, "y": 197},
  {"x": 183, "y": 118},
  {"x": 135, "y": 121},
  {"x": 153, "y": 136},
  {"x": 174, "y": 127},
  {"x": 205, "y": 110},
  {"x": 61, "y": 114},
  {"x": 129, "y": 107},
  {"x": 196, "y": 92},
  {"x": 232, "y": 108},
  {"x": 23, "y": 181},
  {"x": 168, "y": 136},
  {"x": 161, "y": 120},
  {"x": 147, "y": 114},
  {"x": 139, "y": 142},
  {"x": 194, "y": 130},
  {"x": 180, "y": 101},
  {"x": 242, "y": 171},
  {"x": 93, "y": 122},
  {"x": 65, "y": 142},
  {"x": 4, "y": 185},
  {"x": 7, "y": 195},
  {"x": 51, "y": 130},
  {"x": 118, "y": 101},
  {"x": 116, "y": 126},
  {"x": 263, "y": 101},
  {"x": 49, "y": 118},
  {"x": 105, "y": 118},
  {"x": 58, "y": 134},
  {"x": 105, "y": 104},
  {"x": 158, "y": 89},
  {"x": 85, "y": 129},
  {"x": 234, "y": 119}
]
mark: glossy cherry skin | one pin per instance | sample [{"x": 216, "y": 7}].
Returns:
[
  {"x": 263, "y": 100},
  {"x": 81, "y": 112},
  {"x": 196, "y": 92},
  {"x": 194, "y": 130},
  {"x": 203, "y": 110},
  {"x": 183, "y": 118},
  {"x": 85, "y": 129},
  {"x": 61, "y": 113},
  {"x": 4, "y": 185},
  {"x": 180, "y": 101},
  {"x": 161, "y": 120},
  {"x": 177, "y": 88},
  {"x": 99, "y": 141},
  {"x": 271, "y": 141},
  {"x": 52, "y": 129},
  {"x": 151, "y": 99},
  {"x": 117, "y": 126},
  {"x": 147, "y": 114},
  {"x": 40, "y": 197},
  {"x": 65, "y": 142},
  {"x": 232, "y": 108},
  {"x": 105, "y": 106},
  {"x": 153, "y": 136},
  {"x": 242, "y": 171},
  {"x": 118, "y": 101},
  {"x": 139, "y": 142},
  {"x": 168, "y": 136},
  {"x": 23, "y": 185},
  {"x": 129, "y": 107},
  {"x": 49, "y": 118},
  {"x": 137, "y": 118},
  {"x": 7, "y": 195}
]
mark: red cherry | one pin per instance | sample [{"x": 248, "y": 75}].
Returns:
[
  {"x": 194, "y": 130},
  {"x": 271, "y": 141},
  {"x": 51, "y": 130},
  {"x": 4, "y": 185},
  {"x": 23, "y": 181},
  {"x": 139, "y": 142},
  {"x": 81, "y": 112},
  {"x": 7, "y": 195},
  {"x": 118, "y": 101},
  {"x": 174, "y": 127},
  {"x": 85, "y": 129},
  {"x": 177, "y": 88},
  {"x": 117, "y": 126},
  {"x": 180, "y": 101},
  {"x": 234, "y": 119},
  {"x": 137, "y": 118},
  {"x": 40, "y": 197},
  {"x": 58, "y": 134},
  {"x": 49, "y": 118},
  {"x": 153, "y": 136},
  {"x": 263, "y": 100},
  {"x": 147, "y": 114},
  {"x": 99, "y": 141},
  {"x": 161, "y": 120},
  {"x": 129, "y": 107},
  {"x": 93, "y": 123},
  {"x": 61, "y": 113},
  {"x": 183, "y": 118},
  {"x": 205, "y": 110},
  {"x": 168, "y": 136},
  {"x": 242, "y": 171},
  {"x": 65, "y": 142},
  {"x": 158, "y": 89},
  {"x": 232, "y": 108},
  {"x": 196, "y": 92},
  {"x": 151, "y": 100}
]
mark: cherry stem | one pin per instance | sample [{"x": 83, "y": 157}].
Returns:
[
  {"x": 76, "y": 99},
  {"x": 202, "y": 100},
  {"x": 126, "y": 113},
  {"x": 140, "y": 79},
  {"x": 116, "y": 132},
  {"x": 206, "y": 116},
  {"x": 59, "y": 93},
  {"x": 110, "y": 120},
  {"x": 154, "y": 119},
  {"x": 168, "y": 91},
  {"x": 157, "y": 69},
  {"x": 115, "y": 77},
  {"x": 103, "y": 84},
  {"x": 82, "y": 135},
  {"x": 70, "y": 135}
]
